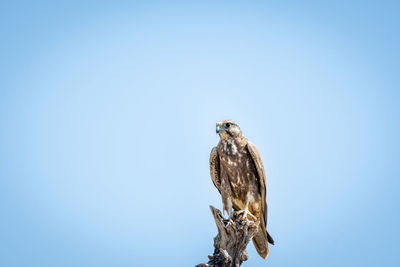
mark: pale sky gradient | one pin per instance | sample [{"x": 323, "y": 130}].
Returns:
[{"x": 108, "y": 112}]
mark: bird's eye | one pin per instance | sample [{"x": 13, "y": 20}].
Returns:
[{"x": 227, "y": 125}]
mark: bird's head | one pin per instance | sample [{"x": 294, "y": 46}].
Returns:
[{"x": 228, "y": 129}]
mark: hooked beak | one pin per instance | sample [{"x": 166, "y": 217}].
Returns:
[{"x": 219, "y": 129}]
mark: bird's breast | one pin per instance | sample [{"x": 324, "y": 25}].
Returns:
[{"x": 239, "y": 172}]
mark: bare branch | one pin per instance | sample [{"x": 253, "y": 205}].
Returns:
[{"x": 232, "y": 239}]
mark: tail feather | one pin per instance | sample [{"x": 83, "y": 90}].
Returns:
[
  {"x": 261, "y": 243},
  {"x": 261, "y": 240}
]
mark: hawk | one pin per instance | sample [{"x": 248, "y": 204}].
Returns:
[{"x": 238, "y": 173}]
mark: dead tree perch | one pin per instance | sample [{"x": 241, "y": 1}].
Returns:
[{"x": 232, "y": 239}]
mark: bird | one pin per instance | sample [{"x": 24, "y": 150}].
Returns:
[{"x": 238, "y": 173}]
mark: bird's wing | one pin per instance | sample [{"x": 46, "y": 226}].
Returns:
[
  {"x": 214, "y": 168},
  {"x": 261, "y": 176}
]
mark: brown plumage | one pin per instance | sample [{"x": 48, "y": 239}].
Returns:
[{"x": 238, "y": 173}]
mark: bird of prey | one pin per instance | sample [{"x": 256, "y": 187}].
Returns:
[{"x": 238, "y": 173}]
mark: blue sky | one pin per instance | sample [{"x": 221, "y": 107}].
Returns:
[{"x": 108, "y": 114}]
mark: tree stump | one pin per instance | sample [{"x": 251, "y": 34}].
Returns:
[{"x": 232, "y": 239}]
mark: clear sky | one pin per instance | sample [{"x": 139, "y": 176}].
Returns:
[{"x": 108, "y": 112}]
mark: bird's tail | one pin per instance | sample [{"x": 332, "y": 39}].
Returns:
[{"x": 261, "y": 240}]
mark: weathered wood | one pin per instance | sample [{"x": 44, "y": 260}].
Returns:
[{"x": 232, "y": 239}]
